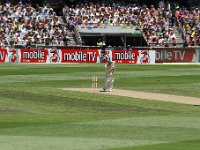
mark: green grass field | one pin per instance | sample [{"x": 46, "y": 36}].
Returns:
[{"x": 35, "y": 114}]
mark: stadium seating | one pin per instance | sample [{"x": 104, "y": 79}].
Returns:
[{"x": 25, "y": 25}]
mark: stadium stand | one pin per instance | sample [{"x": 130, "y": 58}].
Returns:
[
  {"x": 159, "y": 25},
  {"x": 84, "y": 22},
  {"x": 24, "y": 25},
  {"x": 189, "y": 25}
]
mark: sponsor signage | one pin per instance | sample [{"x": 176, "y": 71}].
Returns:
[
  {"x": 80, "y": 55},
  {"x": 34, "y": 55},
  {"x": 176, "y": 55},
  {"x": 54, "y": 56},
  {"x": 95, "y": 55},
  {"x": 3, "y": 54},
  {"x": 134, "y": 56}
]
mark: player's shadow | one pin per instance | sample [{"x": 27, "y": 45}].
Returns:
[{"x": 103, "y": 91}]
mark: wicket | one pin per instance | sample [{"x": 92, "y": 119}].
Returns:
[{"x": 94, "y": 82}]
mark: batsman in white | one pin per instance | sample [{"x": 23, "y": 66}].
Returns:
[{"x": 109, "y": 76}]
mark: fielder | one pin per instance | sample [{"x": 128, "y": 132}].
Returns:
[{"x": 109, "y": 76}]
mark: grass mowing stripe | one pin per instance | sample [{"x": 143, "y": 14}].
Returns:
[
  {"x": 43, "y": 77},
  {"x": 153, "y": 73},
  {"x": 162, "y": 80},
  {"x": 73, "y": 102},
  {"x": 153, "y": 121},
  {"x": 66, "y": 143},
  {"x": 183, "y": 145},
  {"x": 52, "y": 70},
  {"x": 102, "y": 131}
]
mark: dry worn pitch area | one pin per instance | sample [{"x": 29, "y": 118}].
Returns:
[{"x": 142, "y": 95}]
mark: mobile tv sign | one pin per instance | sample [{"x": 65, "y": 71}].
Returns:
[
  {"x": 80, "y": 55},
  {"x": 177, "y": 55}
]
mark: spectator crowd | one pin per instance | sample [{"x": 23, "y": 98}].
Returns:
[
  {"x": 24, "y": 24},
  {"x": 158, "y": 24},
  {"x": 189, "y": 25}
]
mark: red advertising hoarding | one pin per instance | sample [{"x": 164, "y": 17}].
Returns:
[
  {"x": 125, "y": 56},
  {"x": 176, "y": 55},
  {"x": 3, "y": 54},
  {"x": 133, "y": 56},
  {"x": 80, "y": 55},
  {"x": 95, "y": 55},
  {"x": 34, "y": 55}
]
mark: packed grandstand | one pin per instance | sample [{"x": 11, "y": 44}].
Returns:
[{"x": 162, "y": 24}]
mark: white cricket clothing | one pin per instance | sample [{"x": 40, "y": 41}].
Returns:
[{"x": 109, "y": 76}]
